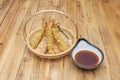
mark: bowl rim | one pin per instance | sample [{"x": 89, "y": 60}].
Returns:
[{"x": 45, "y": 11}]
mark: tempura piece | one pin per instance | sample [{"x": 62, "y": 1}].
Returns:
[
  {"x": 42, "y": 47},
  {"x": 50, "y": 39},
  {"x": 57, "y": 37},
  {"x": 38, "y": 37}
]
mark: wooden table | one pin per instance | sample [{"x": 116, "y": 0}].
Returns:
[{"x": 97, "y": 20}]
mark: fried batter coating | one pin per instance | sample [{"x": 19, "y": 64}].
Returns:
[
  {"x": 38, "y": 37},
  {"x": 57, "y": 37},
  {"x": 50, "y": 39}
]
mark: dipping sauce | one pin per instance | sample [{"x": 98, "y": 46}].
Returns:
[{"x": 86, "y": 58}]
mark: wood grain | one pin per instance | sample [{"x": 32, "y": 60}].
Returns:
[{"x": 96, "y": 20}]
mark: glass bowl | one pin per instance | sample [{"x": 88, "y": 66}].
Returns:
[{"x": 67, "y": 29}]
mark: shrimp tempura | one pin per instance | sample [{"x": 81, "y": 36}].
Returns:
[
  {"x": 38, "y": 37},
  {"x": 50, "y": 39},
  {"x": 57, "y": 37}
]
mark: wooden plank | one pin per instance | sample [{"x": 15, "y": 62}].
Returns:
[
  {"x": 108, "y": 39},
  {"x": 22, "y": 12},
  {"x": 69, "y": 69},
  {"x": 80, "y": 15},
  {"x": 56, "y": 66},
  {"x": 42, "y": 66},
  {"x": 82, "y": 25},
  {"x": 113, "y": 19},
  {"x": 4, "y": 56},
  {"x": 26, "y": 67},
  {"x": 85, "y": 27},
  {"x": 94, "y": 36},
  {"x": 5, "y": 6},
  {"x": 11, "y": 64},
  {"x": 7, "y": 21}
]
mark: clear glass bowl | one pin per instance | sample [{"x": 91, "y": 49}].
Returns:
[{"x": 33, "y": 25}]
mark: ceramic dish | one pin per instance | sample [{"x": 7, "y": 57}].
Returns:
[{"x": 91, "y": 58}]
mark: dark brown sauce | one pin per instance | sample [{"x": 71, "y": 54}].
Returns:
[{"x": 86, "y": 58}]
